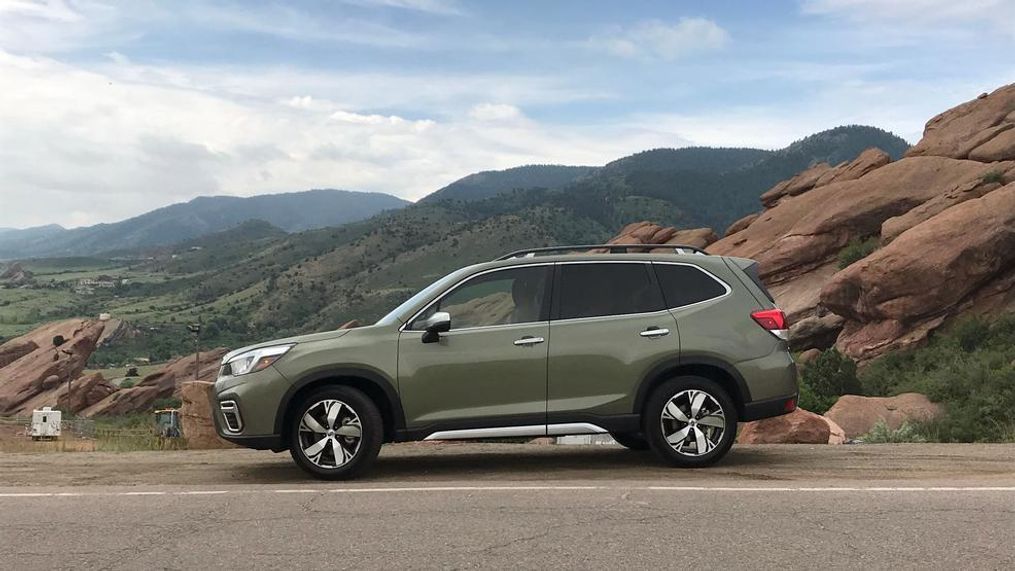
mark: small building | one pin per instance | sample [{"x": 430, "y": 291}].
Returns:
[{"x": 46, "y": 423}]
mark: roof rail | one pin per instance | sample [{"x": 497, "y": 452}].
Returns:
[{"x": 613, "y": 249}]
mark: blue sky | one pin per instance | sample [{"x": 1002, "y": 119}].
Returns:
[{"x": 110, "y": 109}]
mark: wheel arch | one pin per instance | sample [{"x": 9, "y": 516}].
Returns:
[
  {"x": 712, "y": 368},
  {"x": 372, "y": 383}
]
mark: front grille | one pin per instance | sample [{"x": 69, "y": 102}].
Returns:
[{"x": 231, "y": 416}]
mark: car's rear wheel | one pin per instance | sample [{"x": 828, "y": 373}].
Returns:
[
  {"x": 690, "y": 421},
  {"x": 335, "y": 433},
  {"x": 632, "y": 440}
]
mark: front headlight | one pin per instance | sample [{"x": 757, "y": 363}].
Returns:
[{"x": 256, "y": 359}]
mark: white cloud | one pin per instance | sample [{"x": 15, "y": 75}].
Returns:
[
  {"x": 433, "y": 6},
  {"x": 495, "y": 112},
  {"x": 90, "y": 145},
  {"x": 927, "y": 16},
  {"x": 656, "y": 39}
]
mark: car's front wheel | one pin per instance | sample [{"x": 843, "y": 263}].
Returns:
[
  {"x": 690, "y": 421},
  {"x": 335, "y": 433}
]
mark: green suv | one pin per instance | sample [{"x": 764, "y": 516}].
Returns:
[{"x": 663, "y": 351}]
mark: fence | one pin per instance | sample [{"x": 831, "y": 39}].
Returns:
[{"x": 82, "y": 427}]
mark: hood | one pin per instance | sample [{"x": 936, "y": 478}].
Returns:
[{"x": 324, "y": 336}]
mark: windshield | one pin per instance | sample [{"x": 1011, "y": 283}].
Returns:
[{"x": 395, "y": 315}]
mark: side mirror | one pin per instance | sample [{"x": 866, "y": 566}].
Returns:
[{"x": 436, "y": 324}]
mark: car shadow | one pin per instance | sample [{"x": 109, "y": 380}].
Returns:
[{"x": 448, "y": 462}]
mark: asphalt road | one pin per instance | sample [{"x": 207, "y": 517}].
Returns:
[{"x": 508, "y": 506}]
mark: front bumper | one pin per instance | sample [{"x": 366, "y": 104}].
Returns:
[{"x": 251, "y": 405}]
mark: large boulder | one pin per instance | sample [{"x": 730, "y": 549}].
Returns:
[
  {"x": 195, "y": 416},
  {"x": 159, "y": 385},
  {"x": 909, "y": 284},
  {"x": 32, "y": 369},
  {"x": 980, "y": 129},
  {"x": 857, "y": 415},
  {"x": 798, "y": 427}
]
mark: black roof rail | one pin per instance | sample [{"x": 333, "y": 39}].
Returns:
[{"x": 613, "y": 249}]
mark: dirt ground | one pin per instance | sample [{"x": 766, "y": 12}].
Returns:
[{"x": 947, "y": 464}]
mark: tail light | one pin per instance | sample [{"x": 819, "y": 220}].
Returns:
[{"x": 773, "y": 320}]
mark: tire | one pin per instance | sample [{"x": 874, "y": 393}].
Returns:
[
  {"x": 631, "y": 440},
  {"x": 316, "y": 443},
  {"x": 714, "y": 425}
]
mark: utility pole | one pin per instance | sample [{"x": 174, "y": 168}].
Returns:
[{"x": 195, "y": 328}]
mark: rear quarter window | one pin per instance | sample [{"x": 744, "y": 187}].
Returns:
[{"x": 686, "y": 284}]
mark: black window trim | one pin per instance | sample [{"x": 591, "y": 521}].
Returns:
[
  {"x": 726, "y": 287},
  {"x": 461, "y": 283},
  {"x": 555, "y": 307}
]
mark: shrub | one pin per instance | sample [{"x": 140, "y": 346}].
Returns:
[
  {"x": 881, "y": 434},
  {"x": 827, "y": 378},
  {"x": 969, "y": 369},
  {"x": 127, "y": 383},
  {"x": 167, "y": 403},
  {"x": 857, "y": 249},
  {"x": 993, "y": 176}
]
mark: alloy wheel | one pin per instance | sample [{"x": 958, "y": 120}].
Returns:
[
  {"x": 330, "y": 433},
  {"x": 693, "y": 422}
]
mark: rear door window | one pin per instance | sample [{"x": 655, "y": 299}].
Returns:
[
  {"x": 686, "y": 284},
  {"x": 600, "y": 289}
]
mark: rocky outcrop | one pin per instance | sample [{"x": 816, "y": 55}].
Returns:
[
  {"x": 195, "y": 416},
  {"x": 943, "y": 215},
  {"x": 15, "y": 275},
  {"x": 857, "y": 415},
  {"x": 798, "y": 427},
  {"x": 159, "y": 385},
  {"x": 33, "y": 370},
  {"x": 741, "y": 224},
  {"x": 654, "y": 234},
  {"x": 980, "y": 129},
  {"x": 913, "y": 283}
]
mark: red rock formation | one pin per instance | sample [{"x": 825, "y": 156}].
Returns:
[
  {"x": 195, "y": 416},
  {"x": 33, "y": 370},
  {"x": 911, "y": 284},
  {"x": 158, "y": 385},
  {"x": 857, "y": 415},
  {"x": 798, "y": 427},
  {"x": 944, "y": 217}
]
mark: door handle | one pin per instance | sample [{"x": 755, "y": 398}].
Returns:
[
  {"x": 528, "y": 340},
  {"x": 654, "y": 332}
]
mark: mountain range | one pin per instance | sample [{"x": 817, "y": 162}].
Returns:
[{"x": 292, "y": 212}]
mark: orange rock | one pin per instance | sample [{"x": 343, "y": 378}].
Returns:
[{"x": 798, "y": 427}]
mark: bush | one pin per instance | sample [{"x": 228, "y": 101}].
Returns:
[
  {"x": 881, "y": 434},
  {"x": 969, "y": 369},
  {"x": 993, "y": 176},
  {"x": 127, "y": 383},
  {"x": 167, "y": 403},
  {"x": 827, "y": 378},
  {"x": 857, "y": 249}
]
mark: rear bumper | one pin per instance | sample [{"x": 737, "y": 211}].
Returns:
[{"x": 768, "y": 408}]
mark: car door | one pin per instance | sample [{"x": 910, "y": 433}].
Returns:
[
  {"x": 609, "y": 329},
  {"x": 489, "y": 370}
]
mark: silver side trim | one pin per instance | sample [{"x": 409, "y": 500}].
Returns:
[
  {"x": 574, "y": 428},
  {"x": 499, "y": 432},
  {"x": 561, "y": 429}
]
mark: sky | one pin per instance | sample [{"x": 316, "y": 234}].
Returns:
[{"x": 112, "y": 109}]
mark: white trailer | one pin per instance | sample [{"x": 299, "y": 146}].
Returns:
[{"x": 46, "y": 423}]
